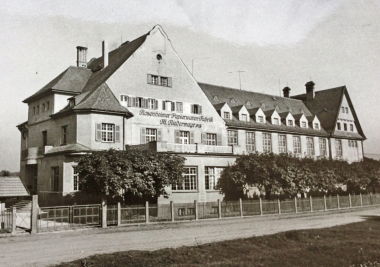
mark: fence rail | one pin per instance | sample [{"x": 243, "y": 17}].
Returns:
[{"x": 61, "y": 217}]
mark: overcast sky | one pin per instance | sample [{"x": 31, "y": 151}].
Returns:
[{"x": 276, "y": 43}]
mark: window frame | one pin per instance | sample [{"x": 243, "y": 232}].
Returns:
[
  {"x": 211, "y": 139},
  {"x": 250, "y": 143},
  {"x": 338, "y": 126},
  {"x": 297, "y": 148},
  {"x": 276, "y": 121},
  {"x": 152, "y": 136},
  {"x": 192, "y": 182},
  {"x": 267, "y": 143},
  {"x": 351, "y": 127},
  {"x": 260, "y": 119},
  {"x": 290, "y": 123},
  {"x": 310, "y": 151},
  {"x": 54, "y": 186},
  {"x": 76, "y": 186},
  {"x": 345, "y": 127},
  {"x": 244, "y": 117},
  {"x": 338, "y": 148},
  {"x": 226, "y": 115},
  {"x": 107, "y": 133},
  {"x": 323, "y": 146},
  {"x": 232, "y": 138},
  {"x": 211, "y": 179},
  {"x": 64, "y": 135},
  {"x": 282, "y": 144}
]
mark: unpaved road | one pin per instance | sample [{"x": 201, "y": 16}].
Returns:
[{"x": 51, "y": 248}]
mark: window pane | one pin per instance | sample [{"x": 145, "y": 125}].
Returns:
[
  {"x": 250, "y": 141},
  {"x": 282, "y": 143},
  {"x": 267, "y": 142},
  {"x": 297, "y": 145}
]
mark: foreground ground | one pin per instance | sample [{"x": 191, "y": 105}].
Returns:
[
  {"x": 356, "y": 244},
  {"x": 53, "y": 248}
]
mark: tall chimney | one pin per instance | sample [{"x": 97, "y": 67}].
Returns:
[
  {"x": 310, "y": 94},
  {"x": 286, "y": 91},
  {"x": 105, "y": 53},
  {"x": 81, "y": 56}
]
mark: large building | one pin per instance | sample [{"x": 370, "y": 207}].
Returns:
[{"x": 141, "y": 94}]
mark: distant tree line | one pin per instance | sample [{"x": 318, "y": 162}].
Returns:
[{"x": 286, "y": 176}]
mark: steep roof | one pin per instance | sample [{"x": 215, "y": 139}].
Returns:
[
  {"x": 326, "y": 105},
  {"x": 12, "y": 187},
  {"x": 71, "y": 81},
  {"x": 272, "y": 103}
]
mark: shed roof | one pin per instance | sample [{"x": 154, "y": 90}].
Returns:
[{"x": 12, "y": 187}]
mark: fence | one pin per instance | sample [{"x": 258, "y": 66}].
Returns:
[{"x": 63, "y": 217}]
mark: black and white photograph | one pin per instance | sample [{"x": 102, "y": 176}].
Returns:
[{"x": 190, "y": 133}]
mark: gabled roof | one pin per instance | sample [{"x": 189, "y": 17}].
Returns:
[
  {"x": 284, "y": 115},
  {"x": 219, "y": 106},
  {"x": 71, "y": 81},
  {"x": 269, "y": 113},
  {"x": 326, "y": 105},
  {"x": 116, "y": 58},
  {"x": 236, "y": 109},
  {"x": 12, "y": 187}
]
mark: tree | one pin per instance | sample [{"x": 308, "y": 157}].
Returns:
[{"x": 133, "y": 174}]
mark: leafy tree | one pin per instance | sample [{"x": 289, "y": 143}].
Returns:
[{"x": 133, "y": 174}]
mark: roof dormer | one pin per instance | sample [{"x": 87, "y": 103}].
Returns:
[
  {"x": 241, "y": 113},
  {"x": 314, "y": 122},
  {"x": 258, "y": 114},
  {"x": 287, "y": 119},
  {"x": 301, "y": 121},
  {"x": 273, "y": 117},
  {"x": 224, "y": 110}
]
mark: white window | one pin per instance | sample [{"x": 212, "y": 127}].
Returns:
[
  {"x": 190, "y": 180},
  {"x": 75, "y": 179},
  {"x": 151, "y": 103},
  {"x": 276, "y": 121},
  {"x": 226, "y": 115},
  {"x": 244, "y": 117},
  {"x": 232, "y": 138},
  {"x": 338, "y": 148},
  {"x": 290, "y": 122},
  {"x": 154, "y": 79},
  {"x": 212, "y": 175},
  {"x": 250, "y": 141},
  {"x": 108, "y": 132},
  {"x": 267, "y": 142},
  {"x": 179, "y": 107},
  {"x": 316, "y": 126},
  {"x": 211, "y": 139},
  {"x": 310, "y": 146},
  {"x": 150, "y": 135},
  {"x": 260, "y": 119},
  {"x": 297, "y": 145},
  {"x": 303, "y": 124},
  {"x": 184, "y": 137},
  {"x": 322, "y": 147},
  {"x": 282, "y": 143}
]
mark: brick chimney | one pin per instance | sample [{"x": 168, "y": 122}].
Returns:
[
  {"x": 310, "y": 94},
  {"x": 105, "y": 54},
  {"x": 81, "y": 56},
  {"x": 286, "y": 91}
]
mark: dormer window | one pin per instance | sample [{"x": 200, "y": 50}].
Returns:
[
  {"x": 244, "y": 117},
  {"x": 260, "y": 119},
  {"x": 316, "y": 126},
  {"x": 303, "y": 124},
  {"x": 233, "y": 100},
  {"x": 276, "y": 121},
  {"x": 248, "y": 103},
  {"x": 290, "y": 122},
  {"x": 226, "y": 115},
  {"x": 216, "y": 98}
]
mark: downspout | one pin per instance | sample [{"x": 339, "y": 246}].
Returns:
[
  {"x": 123, "y": 133},
  {"x": 330, "y": 154},
  {"x": 363, "y": 149}
]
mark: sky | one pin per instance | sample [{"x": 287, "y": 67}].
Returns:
[{"x": 274, "y": 43}]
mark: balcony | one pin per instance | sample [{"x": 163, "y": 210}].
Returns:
[
  {"x": 31, "y": 154},
  {"x": 188, "y": 148}
]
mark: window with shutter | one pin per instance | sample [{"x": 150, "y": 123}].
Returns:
[
  {"x": 191, "y": 137},
  {"x": 204, "y": 138},
  {"x": 155, "y": 104}
]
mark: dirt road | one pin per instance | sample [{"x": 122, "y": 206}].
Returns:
[{"x": 52, "y": 248}]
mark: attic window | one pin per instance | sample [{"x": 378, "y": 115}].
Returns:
[
  {"x": 233, "y": 100},
  {"x": 262, "y": 105},
  {"x": 159, "y": 57},
  {"x": 290, "y": 122},
  {"x": 277, "y": 108},
  {"x": 216, "y": 98},
  {"x": 260, "y": 119},
  {"x": 244, "y": 117},
  {"x": 248, "y": 103},
  {"x": 316, "y": 126},
  {"x": 276, "y": 121},
  {"x": 226, "y": 115},
  {"x": 347, "y": 110},
  {"x": 303, "y": 124}
]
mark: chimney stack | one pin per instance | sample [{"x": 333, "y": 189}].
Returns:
[
  {"x": 105, "y": 54},
  {"x": 81, "y": 56},
  {"x": 310, "y": 94},
  {"x": 286, "y": 91}
]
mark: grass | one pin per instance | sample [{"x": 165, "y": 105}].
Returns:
[{"x": 353, "y": 245}]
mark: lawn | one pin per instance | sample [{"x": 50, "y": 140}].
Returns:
[{"x": 356, "y": 244}]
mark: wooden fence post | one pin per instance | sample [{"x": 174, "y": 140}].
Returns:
[
  {"x": 147, "y": 212},
  {"x": 295, "y": 204},
  {"x": 196, "y": 210},
  {"x": 337, "y": 199},
  {"x": 261, "y": 207},
  {"x": 118, "y": 214},
  {"x": 104, "y": 213},
  {"x": 219, "y": 209},
  {"x": 311, "y": 204},
  {"x": 34, "y": 214},
  {"x": 279, "y": 206},
  {"x": 14, "y": 221},
  {"x": 361, "y": 200},
  {"x": 349, "y": 199},
  {"x": 172, "y": 210},
  {"x": 241, "y": 207},
  {"x": 324, "y": 198}
]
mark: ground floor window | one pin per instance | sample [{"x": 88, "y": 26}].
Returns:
[
  {"x": 297, "y": 145},
  {"x": 282, "y": 144},
  {"x": 232, "y": 138},
  {"x": 310, "y": 146},
  {"x": 55, "y": 179},
  {"x": 250, "y": 141},
  {"x": 267, "y": 142},
  {"x": 212, "y": 175},
  {"x": 150, "y": 135},
  {"x": 190, "y": 176},
  {"x": 322, "y": 147},
  {"x": 338, "y": 148},
  {"x": 75, "y": 179}
]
